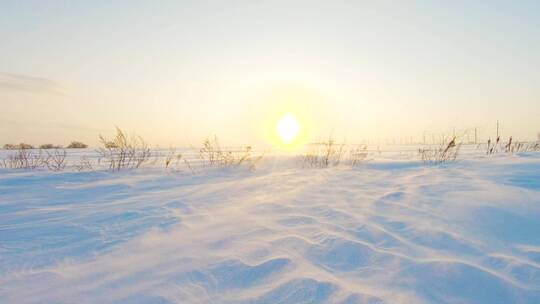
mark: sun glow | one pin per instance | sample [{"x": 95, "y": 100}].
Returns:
[{"x": 288, "y": 128}]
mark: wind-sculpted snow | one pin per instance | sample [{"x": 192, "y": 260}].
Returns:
[{"x": 383, "y": 232}]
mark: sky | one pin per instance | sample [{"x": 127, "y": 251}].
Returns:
[{"x": 176, "y": 72}]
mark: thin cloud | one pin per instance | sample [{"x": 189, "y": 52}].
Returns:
[
  {"x": 31, "y": 84},
  {"x": 59, "y": 125}
]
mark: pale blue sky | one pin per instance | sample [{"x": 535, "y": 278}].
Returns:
[{"x": 178, "y": 71}]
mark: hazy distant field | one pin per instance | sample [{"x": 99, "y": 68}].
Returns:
[{"x": 389, "y": 230}]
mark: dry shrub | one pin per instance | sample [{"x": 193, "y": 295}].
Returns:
[
  {"x": 56, "y": 160},
  {"x": 84, "y": 164},
  {"x": 446, "y": 152},
  {"x": 124, "y": 152},
  {"x": 31, "y": 159},
  {"x": 212, "y": 154},
  {"x": 24, "y": 159}
]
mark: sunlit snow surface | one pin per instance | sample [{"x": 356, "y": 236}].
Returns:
[{"x": 387, "y": 231}]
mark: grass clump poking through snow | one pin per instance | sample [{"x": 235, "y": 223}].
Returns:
[
  {"x": 171, "y": 157},
  {"x": 323, "y": 155},
  {"x": 511, "y": 146},
  {"x": 124, "y": 152},
  {"x": 445, "y": 152},
  {"x": 330, "y": 153},
  {"x": 357, "y": 155},
  {"x": 212, "y": 154}
]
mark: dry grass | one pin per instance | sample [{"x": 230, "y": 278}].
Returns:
[
  {"x": 357, "y": 155},
  {"x": 130, "y": 152},
  {"x": 24, "y": 159},
  {"x": 493, "y": 148},
  {"x": 124, "y": 152},
  {"x": 511, "y": 146},
  {"x": 212, "y": 154},
  {"x": 172, "y": 157},
  {"x": 447, "y": 151},
  {"x": 84, "y": 164},
  {"x": 323, "y": 154},
  {"x": 330, "y": 153}
]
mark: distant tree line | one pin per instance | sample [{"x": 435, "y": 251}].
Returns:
[{"x": 72, "y": 145}]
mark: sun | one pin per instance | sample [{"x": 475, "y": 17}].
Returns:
[{"x": 288, "y": 128}]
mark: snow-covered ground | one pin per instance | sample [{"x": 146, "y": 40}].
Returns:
[{"x": 391, "y": 230}]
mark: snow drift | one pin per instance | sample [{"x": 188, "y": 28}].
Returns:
[{"x": 387, "y": 231}]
